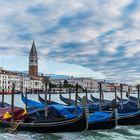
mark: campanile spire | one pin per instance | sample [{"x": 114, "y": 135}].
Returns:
[{"x": 33, "y": 61}]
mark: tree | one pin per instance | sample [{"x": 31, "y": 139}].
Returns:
[
  {"x": 52, "y": 85},
  {"x": 66, "y": 84}
]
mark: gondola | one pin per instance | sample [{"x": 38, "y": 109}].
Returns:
[
  {"x": 122, "y": 100},
  {"x": 31, "y": 103},
  {"x": 67, "y": 101},
  {"x": 129, "y": 106},
  {"x": 134, "y": 99},
  {"x": 40, "y": 123},
  {"x": 97, "y": 120},
  {"x": 105, "y": 101},
  {"x": 91, "y": 106},
  {"x": 43, "y": 101},
  {"x": 95, "y": 105},
  {"x": 2, "y": 105},
  {"x": 126, "y": 106},
  {"x": 98, "y": 100},
  {"x": 132, "y": 118},
  {"x": 126, "y": 116},
  {"x": 89, "y": 101}
]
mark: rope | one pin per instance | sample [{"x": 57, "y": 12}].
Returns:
[{"x": 13, "y": 127}]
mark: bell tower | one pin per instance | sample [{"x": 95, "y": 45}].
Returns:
[{"x": 33, "y": 61}]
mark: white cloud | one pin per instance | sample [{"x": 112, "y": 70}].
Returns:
[{"x": 107, "y": 39}]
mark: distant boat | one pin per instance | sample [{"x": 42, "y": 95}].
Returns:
[{"x": 9, "y": 93}]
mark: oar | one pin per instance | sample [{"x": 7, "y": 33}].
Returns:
[{"x": 2, "y": 104}]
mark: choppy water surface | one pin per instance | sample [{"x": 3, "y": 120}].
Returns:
[{"x": 119, "y": 133}]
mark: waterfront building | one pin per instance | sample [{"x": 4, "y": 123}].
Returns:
[
  {"x": 87, "y": 83},
  {"x": 6, "y": 80},
  {"x": 58, "y": 82},
  {"x": 23, "y": 81}
]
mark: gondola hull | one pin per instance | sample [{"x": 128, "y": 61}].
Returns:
[
  {"x": 110, "y": 124},
  {"x": 130, "y": 120}
]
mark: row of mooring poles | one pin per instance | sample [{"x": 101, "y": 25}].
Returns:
[{"x": 47, "y": 90}]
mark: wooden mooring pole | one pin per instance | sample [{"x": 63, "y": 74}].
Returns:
[
  {"x": 46, "y": 107},
  {"x": 76, "y": 98},
  {"x": 100, "y": 92},
  {"x": 26, "y": 99},
  {"x": 2, "y": 103},
  {"x": 12, "y": 103},
  {"x": 69, "y": 96}
]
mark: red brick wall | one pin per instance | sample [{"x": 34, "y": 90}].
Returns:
[{"x": 33, "y": 70}]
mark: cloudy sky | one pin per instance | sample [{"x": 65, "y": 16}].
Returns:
[{"x": 97, "y": 38}]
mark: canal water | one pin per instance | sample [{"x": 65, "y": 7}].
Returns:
[{"x": 119, "y": 133}]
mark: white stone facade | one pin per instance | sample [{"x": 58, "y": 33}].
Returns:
[
  {"x": 90, "y": 84},
  {"x": 22, "y": 82}
]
